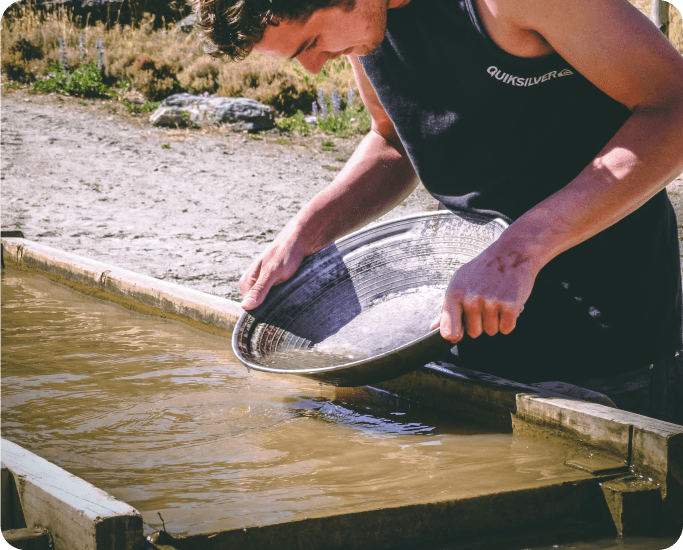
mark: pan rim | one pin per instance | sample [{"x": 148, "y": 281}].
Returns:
[{"x": 340, "y": 244}]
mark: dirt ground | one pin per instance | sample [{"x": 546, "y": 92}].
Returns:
[{"x": 190, "y": 206}]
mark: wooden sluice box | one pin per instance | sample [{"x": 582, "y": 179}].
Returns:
[{"x": 177, "y": 446}]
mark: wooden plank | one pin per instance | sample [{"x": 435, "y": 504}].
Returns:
[
  {"x": 113, "y": 282},
  {"x": 28, "y": 538},
  {"x": 173, "y": 298},
  {"x": 12, "y": 514},
  {"x": 24, "y": 253},
  {"x": 78, "y": 515},
  {"x": 598, "y": 465},
  {"x": 585, "y": 423},
  {"x": 6, "y": 505},
  {"x": 652, "y": 448},
  {"x": 658, "y": 448}
]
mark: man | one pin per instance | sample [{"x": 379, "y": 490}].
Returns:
[{"x": 564, "y": 117}]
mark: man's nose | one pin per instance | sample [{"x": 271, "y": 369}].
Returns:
[{"x": 312, "y": 62}]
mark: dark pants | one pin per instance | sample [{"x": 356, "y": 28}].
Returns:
[{"x": 655, "y": 391}]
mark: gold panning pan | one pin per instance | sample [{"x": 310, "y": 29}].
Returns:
[{"x": 358, "y": 311}]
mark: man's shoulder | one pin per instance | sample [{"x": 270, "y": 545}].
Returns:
[{"x": 510, "y": 24}]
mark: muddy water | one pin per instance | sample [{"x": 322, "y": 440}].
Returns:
[{"x": 163, "y": 417}]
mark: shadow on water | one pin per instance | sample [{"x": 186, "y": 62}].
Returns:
[
  {"x": 400, "y": 419},
  {"x": 318, "y": 301}
]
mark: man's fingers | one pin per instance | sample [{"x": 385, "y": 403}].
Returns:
[
  {"x": 275, "y": 265},
  {"x": 257, "y": 293},
  {"x": 451, "y": 322},
  {"x": 476, "y": 317},
  {"x": 254, "y": 286},
  {"x": 491, "y": 317},
  {"x": 251, "y": 300},
  {"x": 249, "y": 277},
  {"x": 472, "y": 311},
  {"x": 247, "y": 281},
  {"x": 508, "y": 319}
]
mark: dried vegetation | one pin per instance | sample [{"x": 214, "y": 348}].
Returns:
[
  {"x": 155, "y": 60},
  {"x": 148, "y": 53}
]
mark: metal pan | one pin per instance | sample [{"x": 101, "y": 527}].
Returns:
[{"x": 358, "y": 311}]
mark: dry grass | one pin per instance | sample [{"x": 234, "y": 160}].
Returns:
[
  {"x": 158, "y": 62},
  {"x": 676, "y": 28}
]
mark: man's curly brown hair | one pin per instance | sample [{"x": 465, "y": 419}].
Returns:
[{"x": 229, "y": 29}]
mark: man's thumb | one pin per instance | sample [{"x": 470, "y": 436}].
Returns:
[{"x": 256, "y": 295}]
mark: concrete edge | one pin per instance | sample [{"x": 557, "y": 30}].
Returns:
[
  {"x": 410, "y": 522},
  {"x": 423, "y": 522},
  {"x": 77, "y": 514},
  {"x": 139, "y": 292}
]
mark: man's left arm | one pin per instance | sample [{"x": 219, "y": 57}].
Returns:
[{"x": 615, "y": 47}]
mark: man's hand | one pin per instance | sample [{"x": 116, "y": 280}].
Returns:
[
  {"x": 487, "y": 294},
  {"x": 377, "y": 177},
  {"x": 276, "y": 264}
]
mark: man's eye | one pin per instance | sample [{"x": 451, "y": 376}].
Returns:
[{"x": 312, "y": 44}]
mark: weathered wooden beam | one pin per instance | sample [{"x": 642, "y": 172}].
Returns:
[
  {"x": 652, "y": 448},
  {"x": 77, "y": 514},
  {"x": 634, "y": 504},
  {"x": 199, "y": 309},
  {"x": 12, "y": 514},
  {"x": 28, "y": 538}
]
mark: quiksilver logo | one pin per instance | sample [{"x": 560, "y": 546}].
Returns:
[{"x": 513, "y": 80}]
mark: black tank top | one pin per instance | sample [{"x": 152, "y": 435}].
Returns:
[{"x": 493, "y": 133}]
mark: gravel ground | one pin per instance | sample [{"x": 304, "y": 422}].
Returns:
[{"x": 191, "y": 206}]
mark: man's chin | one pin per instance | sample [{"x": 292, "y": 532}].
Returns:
[{"x": 367, "y": 50}]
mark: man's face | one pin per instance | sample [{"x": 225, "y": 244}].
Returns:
[{"x": 327, "y": 34}]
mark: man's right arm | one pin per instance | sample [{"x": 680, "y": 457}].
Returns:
[{"x": 377, "y": 177}]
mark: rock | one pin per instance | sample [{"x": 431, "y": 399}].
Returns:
[
  {"x": 182, "y": 110},
  {"x": 134, "y": 97},
  {"x": 188, "y": 23},
  {"x": 311, "y": 120}
]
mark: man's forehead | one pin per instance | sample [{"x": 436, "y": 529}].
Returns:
[{"x": 287, "y": 39}]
